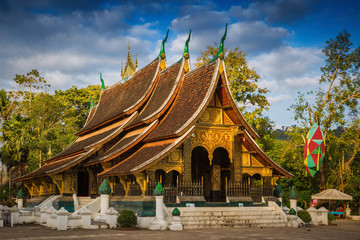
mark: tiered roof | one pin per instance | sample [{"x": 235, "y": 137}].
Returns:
[{"x": 142, "y": 120}]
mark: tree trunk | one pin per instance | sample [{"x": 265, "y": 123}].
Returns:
[{"x": 323, "y": 174}]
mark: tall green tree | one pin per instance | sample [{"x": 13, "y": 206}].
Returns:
[
  {"x": 6, "y": 108},
  {"x": 336, "y": 100},
  {"x": 243, "y": 83}
]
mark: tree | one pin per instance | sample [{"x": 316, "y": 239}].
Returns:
[
  {"x": 243, "y": 83},
  {"x": 336, "y": 99},
  {"x": 6, "y": 108}
]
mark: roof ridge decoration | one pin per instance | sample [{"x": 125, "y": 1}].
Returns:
[
  {"x": 102, "y": 83},
  {"x": 186, "y": 54},
  {"x": 186, "y": 48},
  {"x": 91, "y": 102},
  {"x": 162, "y": 54},
  {"x": 105, "y": 188},
  {"x": 220, "y": 53}
]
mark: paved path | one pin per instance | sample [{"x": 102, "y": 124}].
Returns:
[{"x": 343, "y": 230}]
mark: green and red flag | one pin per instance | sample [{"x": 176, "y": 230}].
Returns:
[{"x": 314, "y": 150}]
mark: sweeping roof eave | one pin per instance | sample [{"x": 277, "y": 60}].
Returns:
[
  {"x": 126, "y": 98},
  {"x": 79, "y": 146},
  {"x": 154, "y": 152},
  {"x": 41, "y": 172},
  {"x": 264, "y": 156},
  {"x": 243, "y": 121},
  {"x": 122, "y": 146},
  {"x": 200, "y": 84}
]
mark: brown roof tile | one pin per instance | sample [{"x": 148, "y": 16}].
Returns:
[
  {"x": 196, "y": 90},
  {"x": 47, "y": 167},
  {"x": 102, "y": 135},
  {"x": 162, "y": 94},
  {"x": 147, "y": 155},
  {"x": 127, "y": 142},
  {"x": 124, "y": 98}
]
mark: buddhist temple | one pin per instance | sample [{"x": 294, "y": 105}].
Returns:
[{"x": 167, "y": 124}]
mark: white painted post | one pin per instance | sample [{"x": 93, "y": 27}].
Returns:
[
  {"x": 20, "y": 203},
  {"x": 44, "y": 216},
  {"x": 159, "y": 222},
  {"x": 85, "y": 218},
  {"x": 12, "y": 218},
  {"x": 111, "y": 217},
  {"x": 323, "y": 216},
  {"x": 280, "y": 200},
  {"x": 313, "y": 213},
  {"x": 293, "y": 203},
  {"x": 104, "y": 203},
  {"x": 16, "y": 214},
  {"x": 62, "y": 219}
]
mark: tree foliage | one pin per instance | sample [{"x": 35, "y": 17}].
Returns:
[
  {"x": 335, "y": 102},
  {"x": 39, "y": 123}
]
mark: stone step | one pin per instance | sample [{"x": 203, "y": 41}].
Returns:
[
  {"x": 226, "y": 213},
  {"x": 84, "y": 200},
  {"x": 245, "y": 225},
  {"x": 199, "y": 218}
]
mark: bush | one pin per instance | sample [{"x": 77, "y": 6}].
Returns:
[
  {"x": 126, "y": 219},
  {"x": 331, "y": 217},
  {"x": 304, "y": 215}
]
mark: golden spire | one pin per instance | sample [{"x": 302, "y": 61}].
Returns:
[{"x": 129, "y": 66}]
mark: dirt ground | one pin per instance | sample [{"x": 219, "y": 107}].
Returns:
[{"x": 341, "y": 230}]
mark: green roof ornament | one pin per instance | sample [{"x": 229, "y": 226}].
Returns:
[
  {"x": 293, "y": 194},
  {"x": 186, "y": 48},
  {"x": 104, "y": 188},
  {"x": 102, "y": 83},
  {"x": 220, "y": 53},
  {"x": 91, "y": 102},
  {"x": 159, "y": 190},
  {"x": 176, "y": 212},
  {"x": 278, "y": 190},
  {"x": 20, "y": 194},
  {"x": 162, "y": 50},
  {"x": 292, "y": 212}
]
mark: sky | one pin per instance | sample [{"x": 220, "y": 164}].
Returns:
[{"x": 71, "y": 42}]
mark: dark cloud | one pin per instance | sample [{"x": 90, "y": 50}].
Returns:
[{"x": 275, "y": 11}]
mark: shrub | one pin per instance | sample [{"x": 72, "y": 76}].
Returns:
[
  {"x": 331, "y": 217},
  {"x": 304, "y": 215},
  {"x": 126, "y": 219}
]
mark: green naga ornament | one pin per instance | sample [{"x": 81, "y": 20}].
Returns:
[
  {"x": 159, "y": 190},
  {"x": 292, "y": 212},
  {"x": 91, "y": 102},
  {"x": 293, "y": 194},
  {"x": 102, "y": 83},
  {"x": 104, "y": 188},
  {"x": 220, "y": 53},
  {"x": 162, "y": 50},
  {"x": 20, "y": 195},
  {"x": 277, "y": 191},
  {"x": 186, "y": 48},
  {"x": 175, "y": 212}
]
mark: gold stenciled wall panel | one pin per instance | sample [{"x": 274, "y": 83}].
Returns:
[{"x": 172, "y": 162}]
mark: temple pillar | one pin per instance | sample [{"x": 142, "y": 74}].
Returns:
[
  {"x": 141, "y": 180},
  {"x": 187, "y": 160},
  {"x": 236, "y": 167},
  {"x": 69, "y": 182},
  {"x": 215, "y": 193}
]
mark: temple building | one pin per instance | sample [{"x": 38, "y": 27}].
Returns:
[{"x": 167, "y": 124}]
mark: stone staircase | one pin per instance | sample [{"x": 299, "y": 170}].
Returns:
[
  {"x": 83, "y": 201},
  {"x": 231, "y": 217}
]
